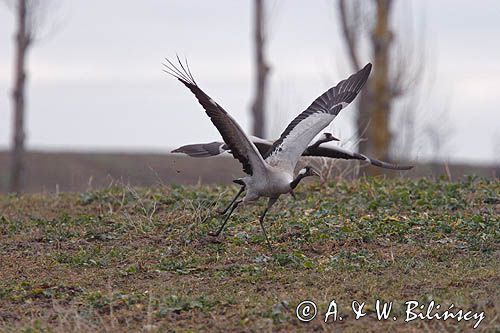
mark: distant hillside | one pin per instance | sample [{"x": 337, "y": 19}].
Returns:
[
  {"x": 48, "y": 172},
  {"x": 79, "y": 171}
]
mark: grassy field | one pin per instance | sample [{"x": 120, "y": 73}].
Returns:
[{"x": 142, "y": 260}]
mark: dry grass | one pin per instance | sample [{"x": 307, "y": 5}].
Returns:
[{"x": 140, "y": 259}]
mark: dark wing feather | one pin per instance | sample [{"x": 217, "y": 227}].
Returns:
[
  {"x": 263, "y": 147},
  {"x": 286, "y": 151},
  {"x": 239, "y": 144},
  {"x": 217, "y": 148},
  {"x": 203, "y": 149},
  {"x": 337, "y": 152},
  {"x": 330, "y": 101}
]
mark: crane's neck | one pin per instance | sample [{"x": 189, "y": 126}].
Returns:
[{"x": 297, "y": 180}]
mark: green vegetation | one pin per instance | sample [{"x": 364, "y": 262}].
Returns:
[{"x": 141, "y": 259}]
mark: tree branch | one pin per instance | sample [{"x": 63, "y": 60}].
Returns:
[{"x": 349, "y": 34}]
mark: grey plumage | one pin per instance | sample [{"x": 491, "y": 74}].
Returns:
[
  {"x": 313, "y": 150},
  {"x": 274, "y": 175},
  {"x": 330, "y": 102},
  {"x": 231, "y": 132},
  {"x": 203, "y": 149}
]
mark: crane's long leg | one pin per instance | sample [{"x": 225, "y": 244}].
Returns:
[
  {"x": 236, "y": 203},
  {"x": 232, "y": 202},
  {"x": 270, "y": 203},
  {"x": 229, "y": 206}
]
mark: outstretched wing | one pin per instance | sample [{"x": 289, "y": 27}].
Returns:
[
  {"x": 330, "y": 151},
  {"x": 287, "y": 150},
  {"x": 217, "y": 148},
  {"x": 203, "y": 149},
  {"x": 337, "y": 152},
  {"x": 240, "y": 145}
]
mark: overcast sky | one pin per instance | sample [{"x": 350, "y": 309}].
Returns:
[{"x": 96, "y": 80}]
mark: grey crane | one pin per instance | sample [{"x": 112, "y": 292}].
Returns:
[
  {"x": 272, "y": 174},
  {"x": 314, "y": 150}
]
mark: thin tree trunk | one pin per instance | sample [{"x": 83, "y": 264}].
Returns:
[
  {"x": 349, "y": 35},
  {"x": 379, "y": 129},
  {"x": 262, "y": 69},
  {"x": 17, "y": 153},
  {"x": 363, "y": 105}
]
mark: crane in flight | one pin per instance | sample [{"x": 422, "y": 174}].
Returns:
[
  {"x": 313, "y": 150},
  {"x": 272, "y": 174}
]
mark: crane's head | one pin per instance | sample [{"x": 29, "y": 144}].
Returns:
[
  {"x": 304, "y": 172},
  {"x": 327, "y": 137},
  {"x": 307, "y": 171}
]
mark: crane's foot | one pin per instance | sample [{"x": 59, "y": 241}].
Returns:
[{"x": 233, "y": 207}]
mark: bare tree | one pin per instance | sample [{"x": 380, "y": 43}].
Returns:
[
  {"x": 374, "y": 106},
  {"x": 261, "y": 70},
  {"x": 351, "y": 31},
  {"x": 379, "y": 132},
  {"x": 30, "y": 16},
  {"x": 23, "y": 42},
  {"x": 394, "y": 73}
]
